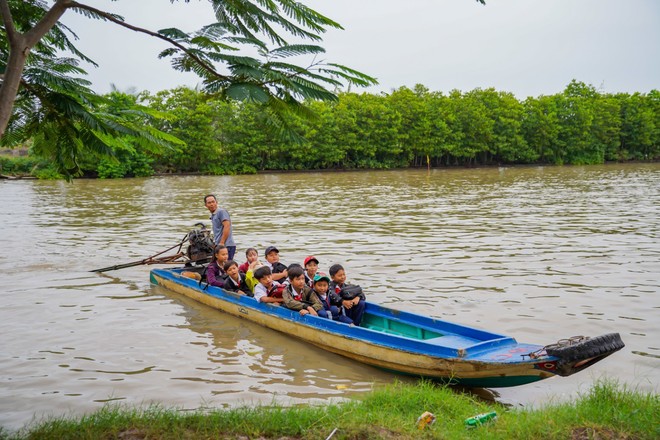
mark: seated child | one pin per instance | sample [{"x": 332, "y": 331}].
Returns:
[
  {"x": 235, "y": 280},
  {"x": 298, "y": 296},
  {"x": 267, "y": 291},
  {"x": 215, "y": 273},
  {"x": 311, "y": 266},
  {"x": 278, "y": 269},
  {"x": 288, "y": 270},
  {"x": 249, "y": 275},
  {"x": 353, "y": 307},
  {"x": 251, "y": 255},
  {"x": 321, "y": 286}
]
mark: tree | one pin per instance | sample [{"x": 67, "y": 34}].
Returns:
[
  {"x": 575, "y": 110},
  {"x": 606, "y": 128},
  {"x": 417, "y": 127},
  {"x": 638, "y": 128},
  {"x": 540, "y": 126},
  {"x": 194, "y": 118},
  {"x": 33, "y": 36},
  {"x": 473, "y": 120}
]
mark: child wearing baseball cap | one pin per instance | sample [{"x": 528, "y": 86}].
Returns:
[
  {"x": 311, "y": 265},
  {"x": 277, "y": 268},
  {"x": 321, "y": 284}
]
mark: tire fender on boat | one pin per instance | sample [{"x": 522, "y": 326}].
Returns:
[{"x": 575, "y": 356}]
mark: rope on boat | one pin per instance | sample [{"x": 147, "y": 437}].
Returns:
[
  {"x": 178, "y": 257},
  {"x": 566, "y": 342}
]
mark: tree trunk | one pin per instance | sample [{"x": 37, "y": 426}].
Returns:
[
  {"x": 19, "y": 48},
  {"x": 11, "y": 80}
]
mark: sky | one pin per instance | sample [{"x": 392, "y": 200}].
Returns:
[{"x": 527, "y": 47}]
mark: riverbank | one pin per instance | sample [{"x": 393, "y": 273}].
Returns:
[
  {"x": 608, "y": 411},
  {"x": 15, "y": 168}
]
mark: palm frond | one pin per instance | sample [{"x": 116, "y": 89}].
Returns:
[
  {"x": 248, "y": 92},
  {"x": 351, "y": 75},
  {"x": 295, "y": 50},
  {"x": 94, "y": 15},
  {"x": 175, "y": 34},
  {"x": 203, "y": 42},
  {"x": 248, "y": 41},
  {"x": 214, "y": 30}
]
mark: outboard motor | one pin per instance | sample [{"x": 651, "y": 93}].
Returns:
[{"x": 200, "y": 245}]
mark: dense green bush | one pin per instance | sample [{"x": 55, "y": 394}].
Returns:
[{"x": 18, "y": 164}]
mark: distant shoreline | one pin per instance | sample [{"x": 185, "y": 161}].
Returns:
[{"x": 23, "y": 176}]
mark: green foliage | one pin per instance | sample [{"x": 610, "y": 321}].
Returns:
[
  {"x": 66, "y": 121},
  {"x": 29, "y": 166},
  {"x": 640, "y": 123},
  {"x": 126, "y": 163},
  {"x": 13, "y": 165},
  {"x": 540, "y": 127},
  {"x": 195, "y": 119},
  {"x": 268, "y": 78},
  {"x": 406, "y": 128},
  {"x": 71, "y": 126},
  {"x": 49, "y": 172}
]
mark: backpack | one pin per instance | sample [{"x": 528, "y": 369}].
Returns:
[
  {"x": 349, "y": 292},
  {"x": 276, "y": 291}
]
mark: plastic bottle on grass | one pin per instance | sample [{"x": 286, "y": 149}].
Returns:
[{"x": 480, "y": 419}]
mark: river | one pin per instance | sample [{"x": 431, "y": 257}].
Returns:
[{"x": 539, "y": 253}]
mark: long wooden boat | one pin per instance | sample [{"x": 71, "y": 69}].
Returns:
[{"x": 408, "y": 343}]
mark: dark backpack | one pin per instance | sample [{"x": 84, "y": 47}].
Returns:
[{"x": 349, "y": 292}]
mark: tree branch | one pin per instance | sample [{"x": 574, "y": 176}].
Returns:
[
  {"x": 34, "y": 35},
  {"x": 7, "y": 20},
  {"x": 209, "y": 68}
]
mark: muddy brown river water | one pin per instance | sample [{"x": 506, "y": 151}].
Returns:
[{"x": 539, "y": 253}]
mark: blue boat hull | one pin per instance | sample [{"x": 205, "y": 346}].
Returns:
[{"x": 394, "y": 340}]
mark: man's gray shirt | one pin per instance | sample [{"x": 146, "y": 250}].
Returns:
[{"x": 219, "y": 216}]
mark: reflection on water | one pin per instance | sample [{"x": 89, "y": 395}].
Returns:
[
  {"x": 538, "y": 253},
  {"x": 248, "y": 360}
]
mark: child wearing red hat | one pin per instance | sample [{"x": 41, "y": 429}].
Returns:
[{"x": 311, "y": 265}]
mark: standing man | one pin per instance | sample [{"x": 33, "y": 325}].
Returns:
[{"x": 221, "y": 223}]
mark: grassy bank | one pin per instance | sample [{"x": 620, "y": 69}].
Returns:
[
  {"x": 27, "y": 166},
  {"x": 608, "y": 411}
]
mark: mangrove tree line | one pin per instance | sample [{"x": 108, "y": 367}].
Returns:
[{"x": 405, "y": 128}]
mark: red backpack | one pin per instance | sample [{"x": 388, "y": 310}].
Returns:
[{"x": 276, "y": 290}]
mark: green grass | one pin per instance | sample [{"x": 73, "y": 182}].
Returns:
[{"x": 608, "y": 411}]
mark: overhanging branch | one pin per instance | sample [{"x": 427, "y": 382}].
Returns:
[
  {"x": 174, "y": 43},
  {"x": 7, "y": 20}
]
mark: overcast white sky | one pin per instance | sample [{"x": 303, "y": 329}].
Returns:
[{"x": 528, "y": 47}]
